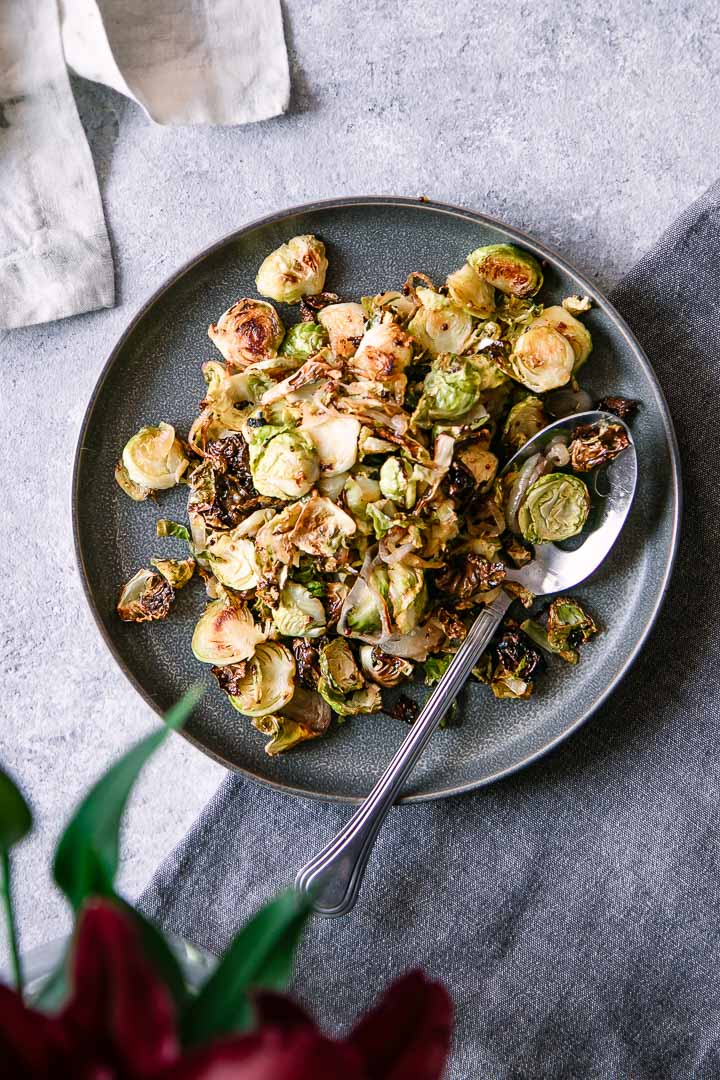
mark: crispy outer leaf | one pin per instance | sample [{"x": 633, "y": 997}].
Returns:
[
  {"x": 260, "y": 957},
  {"x": 86, "y": 859},
  {"x": 15, "y": 816}
]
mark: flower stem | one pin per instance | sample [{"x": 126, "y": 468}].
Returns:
[{"x": 6, "y": 892}]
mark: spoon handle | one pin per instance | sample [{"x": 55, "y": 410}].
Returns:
[{"x": 332, "y": 879}]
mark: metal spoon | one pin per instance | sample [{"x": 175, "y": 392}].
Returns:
[{"x": 332, "y": 878}]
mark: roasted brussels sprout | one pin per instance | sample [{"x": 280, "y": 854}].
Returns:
[
  {"x": 439, "y": 325},
  {"x": 577, "y": 305},
  {"x": 322, "y": 527},
  {"x": 218, "y": 499},
  {"x": 345, "y": 324},
  {"x": 146, "y": 597},
  {"x": 165, "y": 527},
  {"x": 467, "y": 575},
  {"x": 287, "y": 466},
  {"x": 307, "y": 661},
  {"x": 508, "y": 268},
  {"x": 555, "y": 508},
  {"x": 518, "y": 662},
  {"x": 268, "y": 682},
  {"x": 303, "y": 340},
  {"x": 571, "y": 328},
  {"x": 397, "y": 481},
  {"x": 451, "y": 388},
  {"x": 338, "y": 667},
  {"x": 154, "y": 458},
  {"x": 177, "y": 572},
  {"x": 383, "y": 669},
  {"x": 524, "y": 420},
  {"x": 299, "y": 614},
  {"x": 366, "y": 700},
  {"x": 480, "y": 463},
  {"x": 293, "y": 270},
  {"x": 336, "y": 441},
  {"x": 232, "y": 560},
  {"x": 596, "y": 444},
  {"x": 225, "y": 634},
  {"x": 471, "y": 292},
  {"x": 542, "y": 359},
  {"x": 568, "y": 626},
  {"x": 407, "y": 594},
  {"x": 361, "y": 490},
  {"x": 284, "y": 733},
  {"x": 382, "y": 356},
  {"x": 249, "y": 331}
]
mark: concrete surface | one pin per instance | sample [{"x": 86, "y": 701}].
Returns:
[{"x": 589, "y": 125}]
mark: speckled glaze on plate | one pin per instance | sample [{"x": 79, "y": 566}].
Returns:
[{"x": 153, "y": 374}]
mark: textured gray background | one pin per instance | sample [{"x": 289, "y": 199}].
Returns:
[{"x": 590, "y": 130}]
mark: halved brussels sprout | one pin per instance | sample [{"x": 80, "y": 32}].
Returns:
[
  {"x": 225, "y": 634},
  {"x": 306, "y": 381},
  {"x": 284, "y": 733},
  {"x": 336, "y": 441},
  {"x": 597, "y": 444},
  {"x": 518, "y": 661},
  {"x": 145, "y": 598},
  {"x": 383, "y": 669},
  {"x": 542, "y": 359},
  {"x": 299, "y": 614},
  {"x": 555, "y": 508},
  {"x": 322, "y": 527},
  {"x": 293, "y": 270},
  {"x": 402, "y": 307},
  {"x": 248, "y": 331},
  {"x": 154, "y": 458},
  {"x": 408, "y": 595},
  {"x": 466, "y": 576},
  {"x": 508, "y": 268},
  {"x": 440, "y": 325},
  {"x": 382, "y": 356},
  {"x": 304, "y": 340},
  {"x": 568, "y": 627},
  {"x": 338, "y": 667},
  {"x": 366, "y": 700},
  {"x": 571, "y": 328},
  {"x": 451, "y": 389},
  {"x": 273, "y": 541},
  {"x": 471, "y": 292},
  {"x": 287, "y": 467},
  {"x": 233, "y": 561},
  {"x": 398, "y": 481},
  {"x": 364, "y": 613},
  {"x": 268, "y": 683},
  {"x": 524, "y": 420},
  {"x": 345, "y": 323},
  {"x": 177, "y": 572}
]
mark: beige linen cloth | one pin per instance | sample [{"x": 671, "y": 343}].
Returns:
[{"x": 183, "y": 61}]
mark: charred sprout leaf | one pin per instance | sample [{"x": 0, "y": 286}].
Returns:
[
  {"x": 312, "y": 305},
  {"x": 398, "y": 481},
  {"x": 137, "y": 492},
  {"x": 307, "y": 662},
  {"x": 519, "y": 592},
  {"x": 482, "y": 465},
  {"x": 284, "y": 733},
  {"x": 508, "y": 268},
  {"x": 404, "y": 709},
  {"x": 452, "y": 625},
  {"x": 382, "y": 357},
  {"x": 407, "y": 594},
  {"x": 383, "y": 669},
  {"x": 147, "y": 597},
  {"x": 165, "y": 527},
  {"x": 304, "y": 340},
  {"x": 298, "y": 613},
  {"x": 287, "y": 467},
  {"x": 568, "y": 626},
  {"x": 518, "y": 662},
  {"x": 596, "y": 444},
  {"x": 366, "y": 700},
  {"x": 517, "y": 552},
  {"x": 322, "y": 527},
  {"x": 467, "y": 575},
  {"x": 294, "y": 270},
  {"x": 229, "y": 675},
  {"x": 622, "y": 407},
  {"x": 154, "y": 458},
  {"x": 249, "y": 331},
  {"x": 216, "y": 499},
  {"x": 225, "y": 634},
  {"x": 571, "y": 329},
  {"x": 177, "y": 572},
  {"x": 435, "y": 667},
  {"x": 555, "y": 508},
  {"x": 307, "y": 575},
  {"x": 231, "y": 454},
  {"x": 268, "y": 683},
  {"x": 524, "y": 420}
]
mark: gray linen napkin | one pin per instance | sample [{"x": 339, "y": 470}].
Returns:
[{"x": 573, "y": 910}]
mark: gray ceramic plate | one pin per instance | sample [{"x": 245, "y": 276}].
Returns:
[{"x": 153, "y": 374}]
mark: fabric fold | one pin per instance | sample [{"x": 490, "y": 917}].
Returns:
[{"x": 572, "y": 910}]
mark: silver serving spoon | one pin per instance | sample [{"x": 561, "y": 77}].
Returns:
[{"x": 332, "y": 879}]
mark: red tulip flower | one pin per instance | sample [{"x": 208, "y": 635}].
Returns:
[{"x": 120, "y": 1024}]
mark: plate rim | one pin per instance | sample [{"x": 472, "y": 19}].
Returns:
[{"x": 539, "y": 248}]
